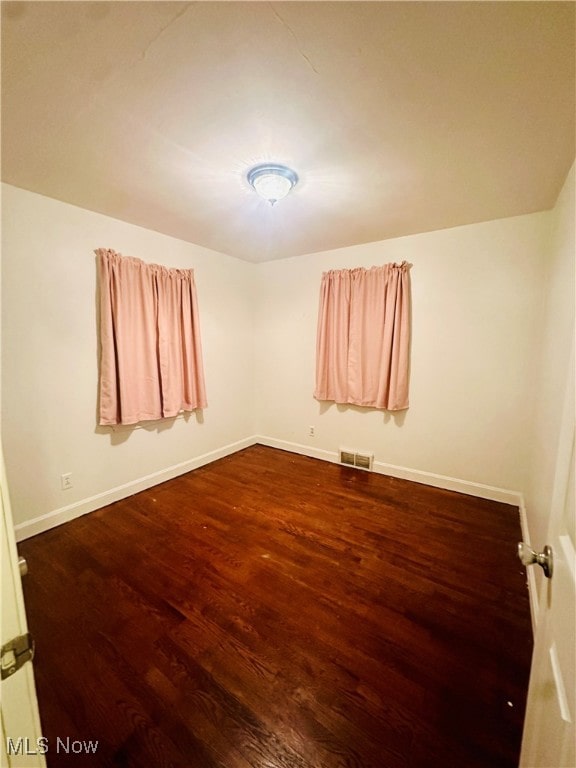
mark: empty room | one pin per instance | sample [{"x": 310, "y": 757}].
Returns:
[{"x": 287, "y": 357}]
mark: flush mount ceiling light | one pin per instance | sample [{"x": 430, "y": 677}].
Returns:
[{"x": 272, "y": 181}]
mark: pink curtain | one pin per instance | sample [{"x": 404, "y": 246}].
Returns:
[
  {"x": 363, "y": 340},
  {"x": 150, "y": 348}
]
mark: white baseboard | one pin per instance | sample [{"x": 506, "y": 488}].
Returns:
[
  {"x": 404, "y": 473},
  {"x": 65, "y": 514},
  {"x": 303, "y": 450}
]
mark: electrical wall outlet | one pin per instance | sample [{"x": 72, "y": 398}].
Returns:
[
  {"x": 310, "y": 431},
  {"x": 66, "y": 481}
]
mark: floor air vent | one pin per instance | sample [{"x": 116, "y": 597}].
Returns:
[{"x": 358, "y": 460}]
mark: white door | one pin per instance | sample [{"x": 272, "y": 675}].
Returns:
[
  {"x": 549, "y": 739},
  {"x": 22, "y": 742}
]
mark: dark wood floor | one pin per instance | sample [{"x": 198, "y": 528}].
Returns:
[{"x": 275, "y": 611}]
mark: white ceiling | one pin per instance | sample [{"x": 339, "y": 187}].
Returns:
[{"x": 399, "y": 117}]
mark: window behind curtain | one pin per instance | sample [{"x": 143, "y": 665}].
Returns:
[
  {"x": 363, "y": 339},
  {"x": 150, "y": 349}
]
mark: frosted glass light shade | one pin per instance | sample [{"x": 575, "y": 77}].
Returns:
[
  {"x": 272, "y": 187},
  {"x": 272, "y": 182}
]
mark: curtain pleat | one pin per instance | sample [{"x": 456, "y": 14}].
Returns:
[
  {"x": 150, "y": 348},
  {"x": 363, "y": 337}
]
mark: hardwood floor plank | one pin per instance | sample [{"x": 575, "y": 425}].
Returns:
[{"x": 274, "y": 611}]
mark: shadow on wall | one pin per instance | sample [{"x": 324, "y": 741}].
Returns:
[
  {"x": 120, "y": 433},
  {"x": 399, "y": 417}
]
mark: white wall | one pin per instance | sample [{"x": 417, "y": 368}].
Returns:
[
  {"x": 50, "y": 358},
  {"x": 477, "y": 300},
  {"x": 557, "y": 322}
]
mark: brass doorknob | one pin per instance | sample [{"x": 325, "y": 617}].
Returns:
[{"x": 544, "y": 559}]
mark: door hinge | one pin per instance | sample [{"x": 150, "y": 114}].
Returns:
[{"x": 16, "y": 653}]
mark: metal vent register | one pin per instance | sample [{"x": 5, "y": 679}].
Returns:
[{"x": 356, "y": 459}]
